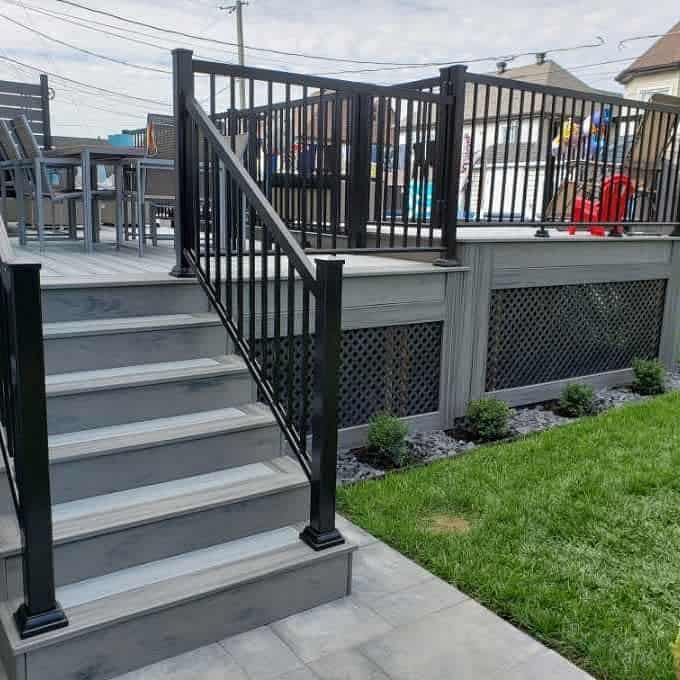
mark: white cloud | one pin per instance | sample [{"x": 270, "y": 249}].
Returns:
[{"x": 380, "y": 30}]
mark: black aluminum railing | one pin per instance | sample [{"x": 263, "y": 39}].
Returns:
[
  {"x": 23, "y": 437},
  {"x": 353, "y": 165},
  {"x": 531, "y": 154},
  {"x": 346, "y": 165},
  {"x": 267, "y": 292},
  {"x": 567, "y": 158}
]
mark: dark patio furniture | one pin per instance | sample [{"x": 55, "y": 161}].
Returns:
[
  {"x": 39, "y": 182},
  {"x": 89, "y": 158}
]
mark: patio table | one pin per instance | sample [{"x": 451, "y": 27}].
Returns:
[{"x": 90, "y": 157}]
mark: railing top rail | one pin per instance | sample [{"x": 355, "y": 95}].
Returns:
[
  {"x": 309, "y": 100},
  {"x": 434, "y": 81},
  {"x": 600, "y": 97},
  {"x": 6, "y": 250},
  {"x": 293, "y": 251},
  {"x": 223, "y": 69}
]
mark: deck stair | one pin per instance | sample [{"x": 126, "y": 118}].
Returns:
[{"x": 176, "y": 511}]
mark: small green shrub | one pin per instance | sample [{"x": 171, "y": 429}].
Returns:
[
  {"x": 577, "y": 400},
  {"x": 487, "y": 419},
  {"x": 387, "y": 436},
  {"x": 650, "y": 376}
]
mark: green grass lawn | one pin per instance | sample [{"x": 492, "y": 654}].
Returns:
[{"x": 573, "y": 534}]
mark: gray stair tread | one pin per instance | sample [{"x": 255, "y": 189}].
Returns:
[
  {"x": 158, "y": 431},
  {"x": 65, "y": 329},
  {"x": 86, "y": 517},
  {"x": 147, "y": 574},
  {"x": 141, "y": 374},
  {"x": 134, "y": 592}
]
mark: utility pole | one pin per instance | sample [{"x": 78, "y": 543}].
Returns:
[{"x": 237, "y": 8}]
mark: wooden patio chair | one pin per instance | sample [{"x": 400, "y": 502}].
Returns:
[
  {"x": 36, "y": 178},
  {"x": 562, "y": 203},
  {"x": 643, "y": 162}
]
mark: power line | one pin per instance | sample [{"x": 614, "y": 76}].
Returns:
[
  {"x": 622, "y": 43},
  {"x": 93, "y": 24},
  {"x": 483, "y": 59},
  {"x": 60, "y": 17},
  {"x": 477, "y": 60},
  {"x": 49, "y": 56},
  {"x": 118, "y": 17},
  {"x": 122, "y": 95},
  {"x": 89, "y": 24},
  {"x": 84, "y": 23},
  {"x": 83, "y": 50},
  {"x": 132, "y": 114}
]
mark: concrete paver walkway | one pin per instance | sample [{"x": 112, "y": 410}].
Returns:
[{"x": 400, "y": 623}]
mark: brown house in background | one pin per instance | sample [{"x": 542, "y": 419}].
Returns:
[{"x": 657, "y": 71}]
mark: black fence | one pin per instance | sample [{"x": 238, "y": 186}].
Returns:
[
  {"x": 345, "y": 165},
  {"x": 351, "y": 165},
  {"x": 23, "y": 437},
  {"x": 541, "y": 155}
]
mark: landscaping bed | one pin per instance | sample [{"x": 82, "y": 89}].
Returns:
[
  {"x": 426, "y": 447},
  {"x": 572, "y": 534}
]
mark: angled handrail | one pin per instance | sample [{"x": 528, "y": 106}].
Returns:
[
  {"x": 247, "y": 184},
  {"x": 281, "y": 311}
]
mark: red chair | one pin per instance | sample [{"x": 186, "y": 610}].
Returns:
[{"x": 616, "y": 191}]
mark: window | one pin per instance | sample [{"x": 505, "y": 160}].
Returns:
[
  {"x": 508, "y": 134},
  {"x": 646, "y": 93}
]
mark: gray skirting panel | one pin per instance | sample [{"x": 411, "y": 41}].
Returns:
[
  {"x": 388, "y": 368},
  {"x": 550, "y": 333}
]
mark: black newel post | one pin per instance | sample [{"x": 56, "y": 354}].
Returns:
[
  {"x": 361, "y": 137},
  {"x": 548, "y": 182},
  {"x": 676, "y": 230},
  {"x": 183, "y": 88},
  {"x": 40, "y": 612},
  {"x": 449, "y": 159},
  {"x": 321, "y": 532}
]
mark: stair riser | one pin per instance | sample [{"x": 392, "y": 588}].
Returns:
[
  {"x": 111, "y": 651},
  {"x": 91, "y": 352},
  {"x": 97, "y": 475},
  {"x": 110, "y": 302},
  {"x": 101, "y": 408},
  {"x": 103, "y": 554},
  {"x": 141, "y": 467}
]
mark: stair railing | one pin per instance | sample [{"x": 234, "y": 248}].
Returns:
[
  {"x": 23, "y": 437},
  {"x": 281, "y": 310}
]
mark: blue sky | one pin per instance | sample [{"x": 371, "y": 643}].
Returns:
[{"x": 380, "y": 30}]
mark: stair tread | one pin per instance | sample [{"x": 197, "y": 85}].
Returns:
[
  {"x": 158, "y": 431},
  {"x": 136, "y": 591},
  {"x": 64, "y": 329},
  {"x": 94, "y": 515},
  {"x": 75, "y": 382}
]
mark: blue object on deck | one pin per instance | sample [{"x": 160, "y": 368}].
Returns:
[{"x": 121, "y": 140}]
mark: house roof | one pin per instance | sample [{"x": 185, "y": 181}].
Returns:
[
  {"x": 664, "y": 54},
  {"x": 549, "y": 74}
]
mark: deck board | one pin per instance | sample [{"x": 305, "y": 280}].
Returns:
[{"x": 67, "y": 263}]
